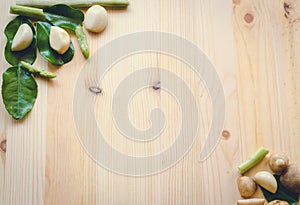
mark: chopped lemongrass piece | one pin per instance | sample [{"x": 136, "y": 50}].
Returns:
[
  {"x": 253, "y": 160},
  {"x": 77, "y": 4}
]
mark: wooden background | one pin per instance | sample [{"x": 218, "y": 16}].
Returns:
[{"x": 254, "y": 45}]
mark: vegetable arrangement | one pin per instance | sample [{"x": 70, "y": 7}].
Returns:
[
  {"x": 280, "y": 183},
  {"x": 45, "y": 49},
  {"x": 27, "y": 54},
  {"x": 60, "y": 15},
  {"x": 19, "y": 88}
]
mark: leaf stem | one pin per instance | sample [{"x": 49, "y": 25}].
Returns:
[
  {"x": 253, "y": 160},
  {"x": 42, "y": 73},
  {"x": 28, "y": 12},
  {"x": 80, "y": 35}
]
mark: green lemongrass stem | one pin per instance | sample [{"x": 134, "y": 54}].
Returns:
[
  {"x": 29, "y": 12},
  {"x": 253, "y": 160},
  {"x": 74, "y": 3},
  {"x": 39, "y": 14},
  {"x": 32, "y": 69},
  {"x": 82, "y": 41}
]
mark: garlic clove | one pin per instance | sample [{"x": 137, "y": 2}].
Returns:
[
  {"x": 266, "y": 180},
  {"x": 59, "y": 39},
  {"x": 95, "y": 19},
  {"x": 22, "y": 38}
]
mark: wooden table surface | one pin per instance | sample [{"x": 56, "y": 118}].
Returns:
[{"x": 254, "y": 46}]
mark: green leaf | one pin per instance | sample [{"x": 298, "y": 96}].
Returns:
[
  {"x": 67, "y": 17},
  {"x": 281, "y": 194},
  {"x": 43, "y": 32},
  {"x": 19, "y": 91},
  {"x": 14, "y": 57},
  {"x": 64, "y": 16}
]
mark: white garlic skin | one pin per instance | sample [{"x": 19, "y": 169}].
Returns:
[
  {"x": 23, "y": 38},
  {"x": 59, "y": 39},
  {"x": 95, "y": 19}
]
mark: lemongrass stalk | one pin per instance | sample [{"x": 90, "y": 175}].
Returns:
[
  {"x": 34, "y": 70},
  {"x": 74, "y": 3},
  {"x": 29, "y": 12},
  {"x": 253, "y": 201},
  {"x": 253, "y": 160}
]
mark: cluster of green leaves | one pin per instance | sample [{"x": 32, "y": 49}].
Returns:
[
  {"x": 29, "y": 54},
  {"x": 69, "y": 18},
  {"x": 19, "y": 88},
  {"x": 43, "y": 33},
  {"x": 60, "y": 15}
]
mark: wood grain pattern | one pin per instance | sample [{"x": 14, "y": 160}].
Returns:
[{"x": 254, "y": 46}]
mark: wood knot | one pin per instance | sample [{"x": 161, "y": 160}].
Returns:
[
  {"x": 287, "y": 7},
  {"x": 248, "y": 18},
  {"x": 226, "y": 134},
  {"x": 157, "y": 85},
  {"x": 3, "y": 146},
  {"x": 236, "y": 2},
  {"x": 96, "y": 90}
]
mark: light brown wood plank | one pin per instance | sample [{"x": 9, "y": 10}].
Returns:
[{"x": 255, "y": 50}]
